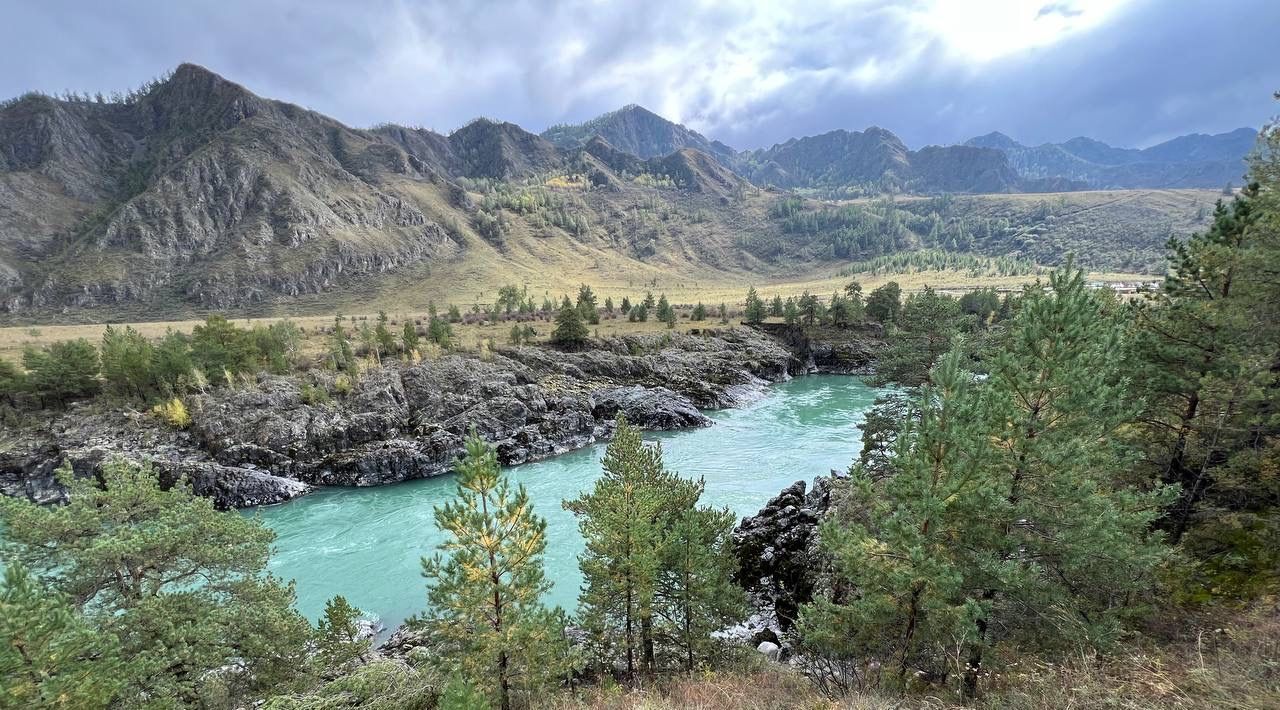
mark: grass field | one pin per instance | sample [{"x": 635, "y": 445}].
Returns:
[{"x": 412, "y": 304}]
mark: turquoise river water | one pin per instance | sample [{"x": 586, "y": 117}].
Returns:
[{"x": 367, "y": 543}]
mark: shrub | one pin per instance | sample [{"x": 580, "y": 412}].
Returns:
[
  {"x": 312, "y": 394},
  {"x": 173, "y": 412}
]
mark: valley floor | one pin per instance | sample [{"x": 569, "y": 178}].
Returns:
[{"x": 408, "y": 302}]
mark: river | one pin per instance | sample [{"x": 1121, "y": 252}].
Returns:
[{"x": 366, "y": 543}]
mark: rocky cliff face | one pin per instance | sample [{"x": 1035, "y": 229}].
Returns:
[
  {"x": 777, "y": 549},
  {"x": 836, "y": 351},
  {"x": 201, "y": 192},
  {"x": 265, "y": 444}
]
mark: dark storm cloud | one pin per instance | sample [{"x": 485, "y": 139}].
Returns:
[{"x": 749, "y": 74}]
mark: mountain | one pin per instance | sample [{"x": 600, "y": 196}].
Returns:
[
  {"x": 194, "y": 194},
  {"x": 1197, "y": 160},
  {"x": 636, "y": 130},
  {"x": 197, "y": 194},
  {"x": 480, "y": 149},
  {"x": 197, "y": 190},
  {"x": 877, "y": 160}
]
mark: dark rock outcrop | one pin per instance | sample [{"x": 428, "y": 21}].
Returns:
[
  {"x": 778, "y": 559},
  {"x": 658, "y": 407},
  {"x": 837, "y": 351},
  {"x": 264, "y": 443}
]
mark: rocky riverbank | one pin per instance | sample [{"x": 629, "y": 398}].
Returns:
[
  {"x": 276, "y": 438},
  {"x": 826, "y": 349},
  {"x": 777, "y": 550}
]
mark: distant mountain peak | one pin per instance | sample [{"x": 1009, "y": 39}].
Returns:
[
  {"x": 637, "y": 130},
  {"x": 994, "y": 139}
]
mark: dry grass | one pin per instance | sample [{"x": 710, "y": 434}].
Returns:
[
  {"x": 764, "y": 689},
  {"x": 1219, "y": 663},
  {"x": 1231, "y": 663}
]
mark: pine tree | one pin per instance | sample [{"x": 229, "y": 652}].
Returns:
[
  {"x": 755, "y": 307},
  {"x": 570, "y": 331},
  {"x": 1193, "y": 351},
  {"x": 1206, "y": 359},
  {"x": 912, "y": 602},
  {"x": 699, "y": 312},
  {"x": 171, "y": 364},
  {"x": 337, "y": 637},
  {"x": 854, "y": 303},
  {"x": 440, "y": 332},
  {"x": 62, "y": 371},
  {"x": 409, "y": 337},
  {"x": 884, "y": 303},
  {"x": 587, "y": 305},
  {"x": 52, "y": 656},
  {"x": 341, "y": 354},
  {"x": 1068, "y": 537},
  {"x": 218, "y": 346},
  {"x": 920, "y": 334},
  {"x": 1020, "y": 468},
  {"x": 695, "y": 593},
  {"x": 648, "y": 302},
  {"x": 126, "y": 362},
  {"x": 666, "y": 313},
  {"x": 608, "y": 305},
  {"x": 486, "y": 584},
  {"x": 626, "y": 305},
  {"x": 810, "y": 308},
  {"x": 276, "y": 344},
  {"x": 622, "y": 520},
  {"x": 791, "y": 312},
  {"x": 386, "y": 341},
  {"x": 182, "y": 586},
  {"x": 775, "y": 306},
  {"x": 724, "y": 314},
  {"x": 841, "y": 312}
]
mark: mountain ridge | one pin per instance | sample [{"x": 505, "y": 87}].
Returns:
[
  {"x": 876, "y": 159},
  {"x": 194, "y": 193},
  {"x": 1192, "y": 160}
]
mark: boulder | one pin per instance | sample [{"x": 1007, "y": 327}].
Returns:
[
  {"x": 769, "y": 650},
  {"x": 648, "y": 407}
]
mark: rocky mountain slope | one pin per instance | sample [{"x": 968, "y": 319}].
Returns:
[
  {"x": 878, "y": 161},
  {"x": 875, "y": 159},
  {"x": 640, "y": 132},
  {"x": 1197, "y": 160},
  {"x": 194, "y": 194},
  {"x": 200, "y": 191},
  {"x": 266, "y": 442},
  {"x": 199, "y": 194}
]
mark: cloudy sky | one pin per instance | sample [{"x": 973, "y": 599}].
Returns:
[{"x": 1130, "y": 72}]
